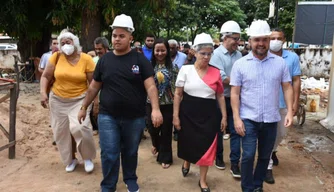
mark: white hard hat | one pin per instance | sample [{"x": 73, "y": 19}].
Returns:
[
  {"x": 259, "y": 28},
  {"x": 123, "y": 21},
  {"x": 230, "y": 27},
  {"x": 203, "y": 38}
]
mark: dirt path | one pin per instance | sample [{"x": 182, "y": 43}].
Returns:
[{"x": 37, "y": 167}]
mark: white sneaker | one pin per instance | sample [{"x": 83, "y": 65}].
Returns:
[
  {"x": 89, "y": 165},
  {"x": 226, "y": 136},
  {"x": 71, "y": 167}
]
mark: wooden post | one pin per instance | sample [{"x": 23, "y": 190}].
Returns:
[{"x": 12, "y": 121}]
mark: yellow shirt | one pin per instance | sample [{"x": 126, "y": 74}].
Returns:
[{"x": 71, "y": 80}]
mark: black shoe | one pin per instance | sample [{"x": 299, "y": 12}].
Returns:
[
  {"x": 176, "y": 137},
  {"x": 275, "y": 159},
  {"x": 235, "y": 171},
  {"x": 269, "y": 177},
  {"x": 185, "y": 171},
  {"x": 258, "y": 189},
  {"x": 220, "y": 164},
  {"x": 203, "y": 189}
]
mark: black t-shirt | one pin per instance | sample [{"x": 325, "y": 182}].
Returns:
[{"x": 123, "y": 92}]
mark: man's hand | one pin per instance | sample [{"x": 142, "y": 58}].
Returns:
[
  {"x": 295, "y": 108},
  {"x": 223, "y": 124},
  {"x": 156, "y": 117},
  {"x": 239, "y": 127},
  {"x": 288, "y": 119},
  {"x": 82, "y": 115},
  {"x": 191, "y": 54},
  {"x": 177, "y": 123},
  {"x": 44, "y": 100},
  {"x": 95, "y": 110}
]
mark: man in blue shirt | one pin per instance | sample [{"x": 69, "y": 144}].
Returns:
[
  {"x": 148, "y": 47},
  {"x": 223, "y": 58},
  {"x": 178, "y": 58},
  {"x": 45, "y": 57},
  {"x": 277, "y": 38},
  {"x": 255, "y": 80}
]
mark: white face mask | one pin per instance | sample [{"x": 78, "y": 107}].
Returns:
[
  {"x": 276, "y": 45},
  {"x": 240, "y": 47},
  {"x": 67, "y": 49}
]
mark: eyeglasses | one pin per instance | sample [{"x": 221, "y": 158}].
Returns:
[
  {"x": 205, "y": 54},
  {"x": 234, "y": 38}
]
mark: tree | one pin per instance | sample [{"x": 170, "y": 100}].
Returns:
[
  {"x": 204, "y": 15},
  {"x": 27, "y": 21},
  {"x": 259, "y": 9},
  {"x": 31, "y": 22}
]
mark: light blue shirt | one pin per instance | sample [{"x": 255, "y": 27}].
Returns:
[
  {"x": 224, "y": 61},
  {"x": 260, "y": 82},
  {"x": 292, "y": 61},
  {"x": 180, "y": 59},
  {"x": 44, "y": 59}
]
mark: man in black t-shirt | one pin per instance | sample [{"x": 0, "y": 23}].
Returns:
[{"x": 124, "y": 77}]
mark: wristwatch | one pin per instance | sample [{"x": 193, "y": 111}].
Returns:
[{"x": 83, "y": 108}]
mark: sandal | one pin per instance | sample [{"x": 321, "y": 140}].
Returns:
[
  {"x": 154, "y": 151},
  {"x": 165, "y": 165}
]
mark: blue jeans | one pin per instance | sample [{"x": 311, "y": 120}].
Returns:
[
  {"x": 220, "y": 146},
  {"x": 119, "y": 137},
  {"x": 263, "y": 134},
  {"x": 235, "y": 138}
]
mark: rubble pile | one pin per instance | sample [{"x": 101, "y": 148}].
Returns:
[{"x": 312, "y": 86}]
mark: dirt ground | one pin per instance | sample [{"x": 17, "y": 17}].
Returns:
[{"x": 306, "y": 160}]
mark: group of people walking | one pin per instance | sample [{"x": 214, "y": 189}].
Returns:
[{"x": 219, "y": 89}]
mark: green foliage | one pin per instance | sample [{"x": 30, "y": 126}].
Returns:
[
  {"x": 196, "y": 16},
  {"x": 259, "y": 9},
  {"x": 32, "y": 21}
]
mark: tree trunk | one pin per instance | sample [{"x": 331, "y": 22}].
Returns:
[
  {"x": 24, "y": 47},
  {"x": 90, "y": 28},
  {"x": 43, "y": 45}
]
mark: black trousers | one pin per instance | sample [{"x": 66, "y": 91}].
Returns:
[
  {"x": 93, "y": 120},
  {"x": 162, "y": 136}
]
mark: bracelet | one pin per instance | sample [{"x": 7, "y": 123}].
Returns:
[{"x": 83, "y": 108}]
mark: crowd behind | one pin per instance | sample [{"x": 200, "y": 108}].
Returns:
[{"x": 243, "y": 91}]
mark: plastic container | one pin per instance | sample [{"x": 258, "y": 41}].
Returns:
[{"x": 313, "y": 101}]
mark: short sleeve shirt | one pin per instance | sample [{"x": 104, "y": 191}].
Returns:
[
  {"x": 71, "y": 80},
  {"x": 292, "y": 61},
  {"x": 224, "y": 61},
  {"x": 123, "y": 93},
  {"x": 206, "y": 87},
  {"x": 44, "y": 60},
  {"x": 180, "y": 59}
]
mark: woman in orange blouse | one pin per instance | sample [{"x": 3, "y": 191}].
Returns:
[{"x": 72, "y": 72}]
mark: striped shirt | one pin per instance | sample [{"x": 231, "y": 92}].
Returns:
[{"x": 260, "y": 82}]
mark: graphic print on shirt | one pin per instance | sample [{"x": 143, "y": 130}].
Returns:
[
  {"x": 135, "y": 69},
  {"x": 162, "y": 78}
]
